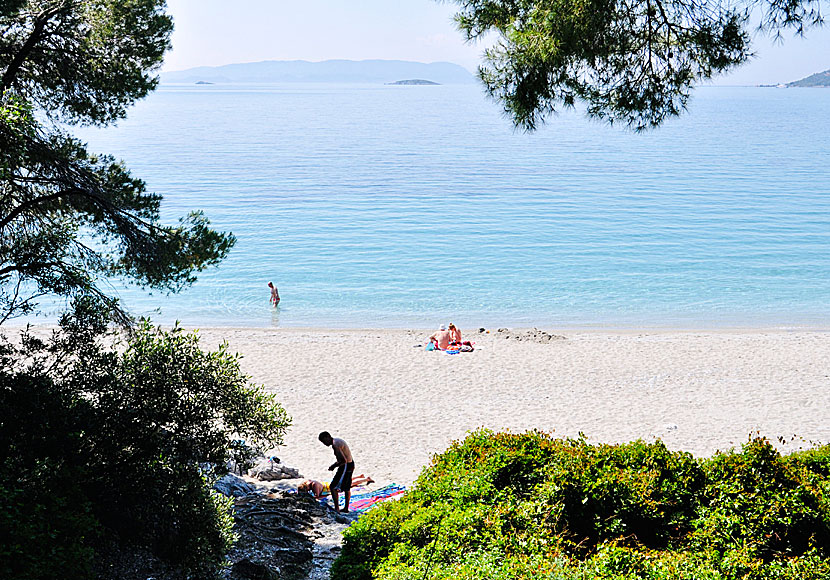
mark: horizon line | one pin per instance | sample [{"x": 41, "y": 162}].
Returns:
[{"x": 316, "y": 62}]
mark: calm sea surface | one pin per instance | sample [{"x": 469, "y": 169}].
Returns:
[{"x": 391, "y": 206}]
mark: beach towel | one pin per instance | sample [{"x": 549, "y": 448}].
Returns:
[
  {"x": 364, "y": 499},
  {"x": 456, "y": 347}
]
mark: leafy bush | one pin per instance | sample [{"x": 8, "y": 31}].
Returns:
[
  {"x": 46, "y": 523},
  {"x": 773, "y": 504},
  {"x": 104, "y": 444},
  {"x": 500, "y": 505}
]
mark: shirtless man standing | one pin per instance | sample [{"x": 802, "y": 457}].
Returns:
[
  {"x": 441, "y": 339},
  {"x": 345, "y": 468}
]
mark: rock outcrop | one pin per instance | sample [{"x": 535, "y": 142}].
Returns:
[
  {"x": 284, "y": 535},
  {"x": 233, "y": 486},
  {"x": 270, "y": 470}
]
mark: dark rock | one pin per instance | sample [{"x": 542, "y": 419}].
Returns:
[
  {"x": 233, "y": 486},
  {"x": 277, "y": 531},
  {"x": 247, "y": 570}
]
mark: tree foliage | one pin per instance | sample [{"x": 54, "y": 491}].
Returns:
[
  {"x": 108, "y": 449},
  {"x": 629, "y": 61},
  {"x": 118, "y": 445},
  {"x": 69, "y": 217}
]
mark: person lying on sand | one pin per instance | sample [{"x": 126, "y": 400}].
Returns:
[{"x": 318, "y": 488}]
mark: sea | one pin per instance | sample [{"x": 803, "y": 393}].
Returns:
[{"x": 377, "y": 206}]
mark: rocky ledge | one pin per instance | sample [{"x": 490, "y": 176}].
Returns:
[{"x": 281, "y": 534}]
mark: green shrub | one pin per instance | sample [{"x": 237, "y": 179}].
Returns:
[
  {"x": 641, "y": 492},
  {"x": 513, "y": 506},
  {"x": 46, "y": 523},
  {"x": 768, "y": 505}
]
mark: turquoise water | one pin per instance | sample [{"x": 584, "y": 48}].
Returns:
[{"x": 381, "y": 206}]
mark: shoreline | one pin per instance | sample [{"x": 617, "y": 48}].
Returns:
[
  {"x": 622, "y": 330},
  {"x": 429, "y": 327}
]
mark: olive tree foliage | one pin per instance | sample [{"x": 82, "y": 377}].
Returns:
[
  {"x": 632, "y": 62},
  {"x": 70, "y": 218}
]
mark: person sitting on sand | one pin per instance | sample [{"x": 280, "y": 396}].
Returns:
[
  {"x": 441, "y": 339},
  {"x": 455, "y": 335},
  {"x": 318, "y": 488},
  {"x": 275, "y": 294},
  {"x": 345, "y": 468}
]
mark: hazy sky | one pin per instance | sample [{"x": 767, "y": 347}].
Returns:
[{"x": 215, "y": 32}]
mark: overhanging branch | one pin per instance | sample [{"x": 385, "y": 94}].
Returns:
[{"x": 34, "y": 37}]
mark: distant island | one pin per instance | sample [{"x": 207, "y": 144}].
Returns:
[
  {"x": 203, "y": 83},
  {"x": 821, "y": 79},
  {"x": 414, "y": 82},
  {"x": 327, "y": 71}
]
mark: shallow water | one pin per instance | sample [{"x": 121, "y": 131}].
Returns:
[{"x": 381, "y": 206}]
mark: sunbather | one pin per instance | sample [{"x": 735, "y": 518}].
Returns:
[
  {"x": 441, "y": 339},
  {"x": 318, "y": 488},
  {"x": 455, "y": 335}
]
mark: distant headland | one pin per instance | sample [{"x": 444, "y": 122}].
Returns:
[
  {"x": 414, "y": 82},
  {"x": 821, "y": 79},
  {"x": 327, "y": 71}
]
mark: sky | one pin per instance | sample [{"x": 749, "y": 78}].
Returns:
[{"x": 217, "y": 32}]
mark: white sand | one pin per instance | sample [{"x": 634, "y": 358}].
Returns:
[{"x": 396, "y": 405}]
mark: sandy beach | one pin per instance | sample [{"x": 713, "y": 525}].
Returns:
[{"x": 397, "y": 404}]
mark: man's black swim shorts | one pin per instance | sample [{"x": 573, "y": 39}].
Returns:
[{"x": 343, "y": 478}]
